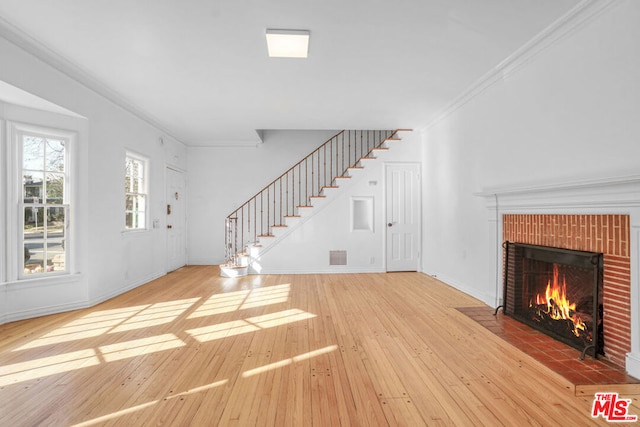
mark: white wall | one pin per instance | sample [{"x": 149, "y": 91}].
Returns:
[
  {"x": 110, "y": 261},
  {"x": 569, "y": 113},
  {"x": 223, "y": 178}
]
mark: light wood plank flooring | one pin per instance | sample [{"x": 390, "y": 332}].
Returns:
[{"x": 193, "y": 348}]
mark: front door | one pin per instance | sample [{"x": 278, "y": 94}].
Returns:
[
  {"x": 403, "y": 216},
  {"x": 176, "y": 220}
]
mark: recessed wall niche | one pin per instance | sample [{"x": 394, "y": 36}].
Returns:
[{"x": 362, "y": 214}]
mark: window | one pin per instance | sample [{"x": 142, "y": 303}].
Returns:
[
  {"x": 135, "y": 187},
  {"x": 44, "y": 205}
]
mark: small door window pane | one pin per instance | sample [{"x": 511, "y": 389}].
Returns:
[
  {"x": 56, "y": 257},
  {"x": 32, "y": 153},
  {"x": 55, "y": 222},
  {"x": 33, "y": 222},
  {"x": 33, "y": 187},
  {"x": 55, "y": 188},
  {"x": 34, "y": 257},
  {"x": 55, "y": 155}
]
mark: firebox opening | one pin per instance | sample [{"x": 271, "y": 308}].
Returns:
[{"x": 558, "y": 292}]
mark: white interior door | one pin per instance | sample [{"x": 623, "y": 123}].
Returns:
[
  {"x": 176, "y": 220},
  {"x": 403, "y": 216}
]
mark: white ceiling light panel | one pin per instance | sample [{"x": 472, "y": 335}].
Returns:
[{"x": 288, "y": 43}]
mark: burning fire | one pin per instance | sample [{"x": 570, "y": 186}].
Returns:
[{"x": 557, "y": 305}]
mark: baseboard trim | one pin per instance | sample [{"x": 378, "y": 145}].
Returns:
[
  {"x": 74, "y": 305},
  {"x": 42, "y": 311},
  {"x": 633, "y": 364},
  {"x": 322, "y": 271},
  {"x": 107, "y": 296},
  {"x": 488, "y": 299}
]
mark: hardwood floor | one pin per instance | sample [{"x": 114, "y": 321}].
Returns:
[{"x": 193, "y": 348}]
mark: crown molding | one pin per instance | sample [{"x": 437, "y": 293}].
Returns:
[
  {"x": 45, "y": 54},
  {"x": 226, "y": 144},
  {"x": 575, "y": 18}
]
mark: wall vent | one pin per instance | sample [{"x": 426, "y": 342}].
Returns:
[{"x": 337, "y": 257}]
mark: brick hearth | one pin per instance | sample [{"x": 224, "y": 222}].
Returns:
[{"x": 557, "y": 356}]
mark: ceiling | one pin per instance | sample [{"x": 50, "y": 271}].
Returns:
[{"x": 199, "y": 69}]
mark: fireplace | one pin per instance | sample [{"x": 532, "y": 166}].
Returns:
[
  {"x": 557, "y": 291},
  {"x": 600, "y": 215},
  {"x": 608, "y": 234}
]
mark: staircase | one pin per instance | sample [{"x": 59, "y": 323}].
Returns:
[{"x": 282, "y": 203}]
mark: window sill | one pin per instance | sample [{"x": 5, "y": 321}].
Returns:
[{"x": 136, "y": 232}]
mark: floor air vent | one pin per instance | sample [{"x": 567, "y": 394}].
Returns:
[{"x": 337, "y": 257}]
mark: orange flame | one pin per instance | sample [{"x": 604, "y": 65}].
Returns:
[{"x": 558, "y": 306}]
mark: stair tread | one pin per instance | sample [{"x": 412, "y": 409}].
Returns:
[
  {"x": 317, "y": 197},
  {"x": 292, "y": 216},
  {"x": 344, "y": 176},
  {"x": 381, "y": 148},
  {"x": 279, "y": 226},
  {"x": 330, "y": 186},
  {"x": 266, "y": 235}
]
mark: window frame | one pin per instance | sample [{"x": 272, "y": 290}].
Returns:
[
  {"x": 5, "y": 141},
  {"x": 144, "y": 178},
  {"x": 15, "y": 267}
]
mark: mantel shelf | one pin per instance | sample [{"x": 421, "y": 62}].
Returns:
[{"x": 628, "y": 180}]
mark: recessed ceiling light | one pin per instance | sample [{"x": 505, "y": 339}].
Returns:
[{"x": 288, "y": 43}]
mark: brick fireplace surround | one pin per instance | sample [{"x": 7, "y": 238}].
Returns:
[
  {"x": 596, "y": 215},
  {"x": 606, "y": 234}
]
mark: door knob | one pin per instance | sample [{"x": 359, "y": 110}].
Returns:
[
  {"x": 390, "y": 224},
  {"x": 169, "y": 226}
]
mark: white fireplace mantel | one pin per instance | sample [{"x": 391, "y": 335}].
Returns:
[
  {"x": 587, "y": 196},
  {"x": 613, "y": 195}
]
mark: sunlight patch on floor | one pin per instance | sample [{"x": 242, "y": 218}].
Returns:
[
  {"x": 267, "y": 296},
  {"x": 126, "y": 411},
  {"x": 145, "y": 316},
  {"x": 156, "y": 314},
  {"x": 251, "y": 324},
  {"x": 113, "y": 415},
  {"x": 139, "y": 347},
  {"x": 42, "y": 367},
  {"x": 220, "y": 303},
  {"x": 222, "y": 330},
  {"x": 51, "y": 365},
  {"x": 113, "y": 321},
  {"x": 280, "y": 318},
  {"x": 243, "y": 299},
  {"x": 285, "y": 362}
]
